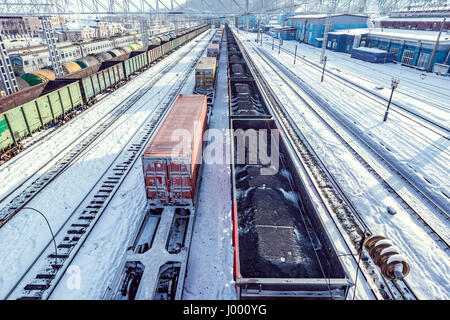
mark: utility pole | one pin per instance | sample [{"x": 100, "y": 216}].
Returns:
[
  {"x": 273, "y": 40},
  {"x": 436, "y": 46}
]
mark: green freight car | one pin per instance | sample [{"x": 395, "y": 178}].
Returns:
[
  {"x": 137, "y": 61},
  {"x": 98, "y": 78},
  {"x": 24, "y": 112}
]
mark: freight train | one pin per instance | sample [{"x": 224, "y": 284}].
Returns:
[
  {"x": 34, "y": 58},
  {"x": 155, "y": 263},
  {"x": 281, "y": 248},
  {"x": 33, "y": 67},
  {"x": 35, "y": 108}
]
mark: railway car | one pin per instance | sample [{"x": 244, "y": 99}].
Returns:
[
  {"x": 27, "y": 111},
  {"x": 171, "y": 180},
  {"x": 171, "y": 170},
  {"x": 281, "y": 248},
  {"x": 213, "y": 50},
  {"x": 205, "y": 73},
  {"x": 98, "y": 78}
]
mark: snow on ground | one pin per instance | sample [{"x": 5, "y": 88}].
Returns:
[
  {"x": 429, "y": 263},
  {"x": 419, "y": 153},
  {"x": 210, "y": 265},
  {"x": 26, "y": 234}
]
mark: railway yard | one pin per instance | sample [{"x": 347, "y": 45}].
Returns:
[{"x": 223, "y": 164}]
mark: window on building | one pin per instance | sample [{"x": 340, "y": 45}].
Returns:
[
  {"x": 408, "y": 56},
  {"x": 423, "y": 60},
  {"x": 394, "y": 52}
]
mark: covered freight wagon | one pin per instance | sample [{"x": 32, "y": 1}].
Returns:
[
  {"x": 372, "y": 55},
  {"x": 172, "y": 159},
  {"x": 205, "y": 73},
  {"x": 213, "y": 50}
]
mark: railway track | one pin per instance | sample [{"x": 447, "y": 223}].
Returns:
[
  {"x": 339, "y": 207},
  {"x": 41, "y": 278},
  {"x": 72, "y": 152},
  {"x": 378, "y": 98}
]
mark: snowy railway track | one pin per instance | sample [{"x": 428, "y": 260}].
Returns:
[
  {"x": 73, "y": 151},
  {"x": 335, "y": 201},
  {"x": 287, "y": 73},
  {"x": 43, "y": 275},
  {"x": 381, "y": 99}
]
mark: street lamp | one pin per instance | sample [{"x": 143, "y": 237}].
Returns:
[{"x": 394, "y": 84}]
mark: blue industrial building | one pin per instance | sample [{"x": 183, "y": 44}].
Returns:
[
  {"x": 412, "y": 48},
  {"x": 310, "y": 27}
]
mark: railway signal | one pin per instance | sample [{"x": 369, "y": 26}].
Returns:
[{"x": 394, "y": 84}]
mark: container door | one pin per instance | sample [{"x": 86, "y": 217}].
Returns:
[
  {"x": 180, "y": 182},
  {"x": 156, "y": 182}
]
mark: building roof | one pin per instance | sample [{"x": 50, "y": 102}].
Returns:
[
  {"x": 77, "y": 25},
  {"x": 351, "y": 31},
  {"x": 404, "y": 34},
  {"x": 374, "y": 50},
  {"x": 322, "y": 15},
  {"x": 403, "y": 19}
]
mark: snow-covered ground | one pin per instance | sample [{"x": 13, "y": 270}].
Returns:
[
  {"x": 210, "y": 266},
  {"x": 422, "y": 155},
  {"x": 26, "y": 234},
  {"x": 429, "y": 261}
]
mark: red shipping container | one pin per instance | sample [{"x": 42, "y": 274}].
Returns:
[{"x": 172, "y": 159}]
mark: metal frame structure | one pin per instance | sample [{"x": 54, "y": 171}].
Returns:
[
  {"x": 6, "y": 71},
  {"x": 50, "y": 39},
  {"x": 144, "y": 32},
  {"x": 209, "y": 7}
]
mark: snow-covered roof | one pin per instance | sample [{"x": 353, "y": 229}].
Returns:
[
  {"x": 374, "y": 50},
  {"x": 351, "y": 31},
  {"x": 437, "y": 19},
  {"x": 322, "y": 15},
  {"x": 75, "y": 25},
  {"x": 405, "y": 34}
]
